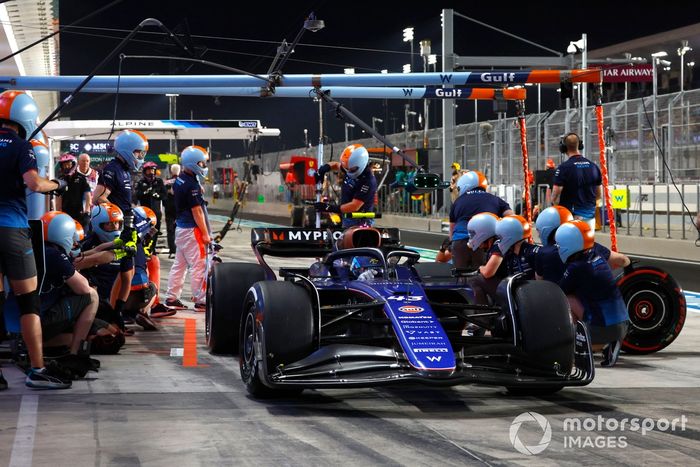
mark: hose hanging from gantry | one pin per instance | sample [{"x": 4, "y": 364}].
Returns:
[
  {"x": 604, "y": 170},
  {"x": 527, "y": 207}
]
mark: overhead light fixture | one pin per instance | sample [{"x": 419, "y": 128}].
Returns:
[
  {"x": 407, "y": 68},
  {"x": 408, "y": 34},
  {"x": 384, "y": 71},
  {"x": 432, "y": 59},
  {"x": 312, "y": 24},
  {"x": 690, "y": 63},
  {"x": 683, "y": 48},
  {"x": 349, "y": 71},
  {"x": 661, "y": 53},
  {"x": 425, "y": 47},
  {"x": 665, "y": 63},
  {"x": 575, "y": 46}
]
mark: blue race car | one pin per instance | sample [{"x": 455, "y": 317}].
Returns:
[{"x": 370, "y": 313}]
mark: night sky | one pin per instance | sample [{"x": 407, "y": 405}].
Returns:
[{"x": 349, "y": 26}]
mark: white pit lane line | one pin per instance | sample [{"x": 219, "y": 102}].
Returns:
[{"x": 23, "y": 446}]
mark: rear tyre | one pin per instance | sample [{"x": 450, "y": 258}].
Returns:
[
  {"x": 656, "y": 307},
  {"x": 277, "y": 328},
  {"x": 547, "y": 331},
  {"x": 227, "y": 287}
]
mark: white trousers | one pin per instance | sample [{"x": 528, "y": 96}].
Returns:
[{"x": 191, "y": 255}]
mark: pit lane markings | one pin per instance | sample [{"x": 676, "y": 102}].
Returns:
[{"x": 23, "y": 446}]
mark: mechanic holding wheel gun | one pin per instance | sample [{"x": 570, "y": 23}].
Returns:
[
  {"x": 192, "y": 232},
  {"x": 359, "y": 185}
]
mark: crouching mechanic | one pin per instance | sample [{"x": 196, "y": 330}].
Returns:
[
  {"x": 192, "y": 230},
  {"x": 473, "y": 199},
  {"x": 359, "y": 185},
  {"x": 144, "y": 290},
  {"x": 548, "y": 264},
  {"x": 68, "y": 303},
  {"x": 482, "y": 236},
  {"x": 107, "y": 221},
  {"x": 590, "y": 287}
]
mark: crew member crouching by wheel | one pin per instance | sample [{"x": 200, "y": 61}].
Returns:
[
  {"x": 473, "y": 199},
  {"x": 68, "y": 303},
  {"x": 590, "y": 287},
  {"x": 548, "y": 264},
  {"x": 482, "y": 236},
  {"x": 359, "y": 185},
  {"x": 192, "y": 232}
]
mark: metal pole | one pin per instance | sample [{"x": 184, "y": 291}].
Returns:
[
  {"x": 405, "y": 125},
  {"x": 172, "y": 115},
  {"x": 641, "y": 208},
  {"x": 539, "y": 98},
  {"x": 682, "y": 214},
  {"x": 627, "y": 187},
  {"x": 192, "y": 118},
  {"x": 668, "y": 211},
  {"x": 448, "y": 110},
  {"x": 319, "y": 158},
  {"x": 584, "y": 90},
  {"x": 655, "y": 86},
  {"x": 653, "y": 206}
]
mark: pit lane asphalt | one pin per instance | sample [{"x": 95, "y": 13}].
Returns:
[{"x": 145, "y": 408}]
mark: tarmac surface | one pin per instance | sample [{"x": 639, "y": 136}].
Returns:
[{"x": 145, "y": 407}]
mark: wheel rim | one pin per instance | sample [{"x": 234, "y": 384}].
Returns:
[
  {"x": 248, "y": 344},
  {"x": 647, "y": 310}
]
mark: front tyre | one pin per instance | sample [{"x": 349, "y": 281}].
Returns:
[{"x": 277, "y": 328}]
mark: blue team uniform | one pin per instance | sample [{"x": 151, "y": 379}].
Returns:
[
  {"x": 548, "y": 263},
  {"x": 469, "y": 205},
  {"x": 590, "y": 279},
  {"x": 579, "y": 179},
  {"x": 59, "y": 268},
  {"x": 363, "y": 188},
  {"x": 17, "y": 159},
  {"x": 117, "y": 179},
  {"x": 188, "y": 194},
  {"x": 524, "y": 262},
  {"x": 104, "y": 275}
]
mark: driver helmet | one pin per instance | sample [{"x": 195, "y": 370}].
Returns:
[
  {"x": 549, "y": 220},
  {"x": 149, "y": 170},
  {"x": 573, "y": 237},
  {"x": 107, "y": 221},
  {"x": 360, "y": 264},
  {"x": 472, "y": 180},
  {"x": 67, "y": 162},
  {"x": 481, "y": 227},
  {"x": 354, "y": 160},
  {"x": 19, "y": 108},
  {"x": 132, "y": 145},
  {"x": 510, "y": 230},
  {"x": 61, "y": 230},
  {"x": 194, "y": 159}
]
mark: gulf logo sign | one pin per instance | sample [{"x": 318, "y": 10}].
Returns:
[{"x": 411, "y": 309}]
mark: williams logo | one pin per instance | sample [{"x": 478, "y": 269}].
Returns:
[{"x": 411, "y": 309}]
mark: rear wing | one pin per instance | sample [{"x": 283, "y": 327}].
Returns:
[{"x": 306, "y": 242}]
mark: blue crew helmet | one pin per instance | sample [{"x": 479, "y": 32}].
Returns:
[
  {"x": 107, "y": 221},
  {"x": 132, "y": 145},
  {"x": 354, "y": 160},
  {"x": 481, "y": 227},
  {"x": 510, "y": 230},
  {"x": 61, "y": 230},
  {"x": 549, "y": 220},
  {"x": 573, "y": 237},
  {"x": 19, "y": 108},
  {"x": 471, "y": 181},
  {"x": 194, "y": 159}
]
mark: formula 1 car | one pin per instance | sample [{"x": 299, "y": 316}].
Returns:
[{"x": 321, "y": 327}]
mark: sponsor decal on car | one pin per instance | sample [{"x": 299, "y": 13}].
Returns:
[
  {"x": 411, "y": 309},
  {"x": 405, "y": 298}
]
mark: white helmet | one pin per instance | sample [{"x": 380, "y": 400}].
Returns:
[{"x": 354, "y": 160}]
